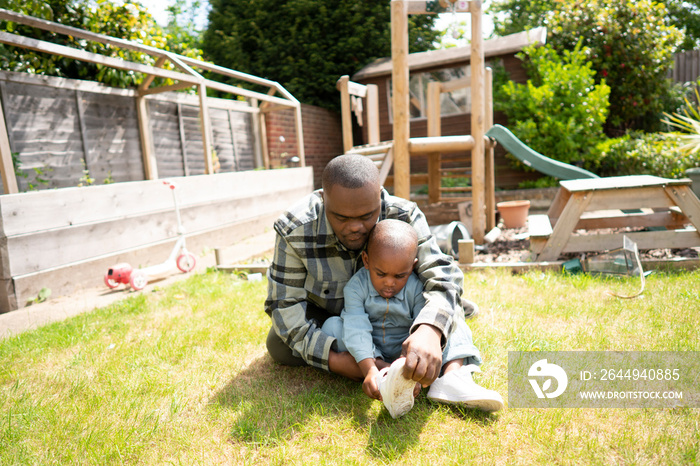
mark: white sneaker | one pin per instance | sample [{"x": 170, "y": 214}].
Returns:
[
  {"x": 458, "y": 387},
  {"x": 396, "y": 390}
]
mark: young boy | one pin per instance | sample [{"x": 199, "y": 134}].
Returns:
[{"x": 382, "y": 301}]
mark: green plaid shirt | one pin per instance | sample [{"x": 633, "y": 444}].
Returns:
[{"x": 311, "y": 265}]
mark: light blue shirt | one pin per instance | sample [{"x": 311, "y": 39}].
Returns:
[{"x": 372, "y": 322}]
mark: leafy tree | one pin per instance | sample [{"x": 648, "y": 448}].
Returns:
[
  {"x": 181, "y": 33},
  {"x": 511, "y": 16},
  {"x": 685, "y": 15},
  {"x": 560, "y": 111},
  {"x": 632, "y": 46},
  {"x": 129, "y": 21},
  {"x": 306, "y": 45}
]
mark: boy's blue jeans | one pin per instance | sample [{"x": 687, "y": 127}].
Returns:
[{"x": 459, "y": 345}]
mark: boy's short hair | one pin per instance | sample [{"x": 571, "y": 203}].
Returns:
[
  {"x": 350, "y": 171},
  {"x": 393, "y": 234}
]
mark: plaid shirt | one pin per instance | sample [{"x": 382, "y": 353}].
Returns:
[{"x": 311, "y": 265}]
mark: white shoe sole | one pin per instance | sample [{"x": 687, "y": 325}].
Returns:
[
  {"x": 396, "y": 390},
  {"x": 489, "y": 402}
]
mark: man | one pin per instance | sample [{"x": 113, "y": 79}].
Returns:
[{"x": 318, "y": 249}]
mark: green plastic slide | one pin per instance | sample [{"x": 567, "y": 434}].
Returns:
[{"x": 539, "y": 162}]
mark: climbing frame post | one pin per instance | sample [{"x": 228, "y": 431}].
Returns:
[
  {"x": 400, "y": 98},
  {"x": 477, "y": 126}
]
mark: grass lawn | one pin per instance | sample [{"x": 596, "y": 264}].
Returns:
[{"x": 181, "y": 376}]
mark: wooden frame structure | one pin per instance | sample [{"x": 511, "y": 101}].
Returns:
[
  {"x": 185, "y": 77},
  {"x": 663, "y": 206},
  {"x": 435, "y": 169},
  {"x": 403, "y": 143}
]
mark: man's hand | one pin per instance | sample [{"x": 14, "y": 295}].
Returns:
[
  {"x": 344, "y": 364},
  {"x": 423, "y": 355}
]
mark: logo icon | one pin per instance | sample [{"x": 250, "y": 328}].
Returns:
[{"x": 551, "y": 371}]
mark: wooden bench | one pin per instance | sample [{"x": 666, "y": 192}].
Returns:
[{"x": 662, "y": 206}]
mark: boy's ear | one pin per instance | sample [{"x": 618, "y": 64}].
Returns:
[{"x": 365, "y": 259}]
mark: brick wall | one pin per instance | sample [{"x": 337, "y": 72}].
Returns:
[{"x": 323, "y": 138}]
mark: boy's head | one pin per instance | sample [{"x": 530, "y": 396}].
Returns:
[{"x": 390, "y": 256}]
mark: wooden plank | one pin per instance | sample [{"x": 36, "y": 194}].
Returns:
[
  {"x": 673, "y": 239},
  {"x": 89, "y": 274},
  {"x": 161, "y": 89},
  {"x": 183, "y": 140},
  {"x": 386, "y": 165},
  {"x": 345, "y": 112},
  {"x": 619, "y": 182},
  {"x": 299, "y": 126},
  {"x": 610, "y": 219},
  {"x": 229, "y": 89},
  {"x": 373, "y": 114},
  {"x": 7, "y": 168},
  {"x": 55, "y": 248},
  {"x": 477, "y": 125},
  {"x": 434, "y": 130},
  {"x": 489, "y": 169},
  {"x": 537, "y": 244},
  {"x": 400, "y": 98},
  {"x": 68, "y": 52},
  {"x": 150, "y": 167},
  {"x": 233, "y": 140},
  {"x": 121, "y": 43},
  {"x": 145, "y": 84},
  {"x": 562, "y": 230},
  {"x": 629, "y": 198},
  {"x": 684, "y": 198},
  {"x": 560, "y": 199},
  {"x": 539, "y": 226},
  {"x": 25, "y": 213},
  {"x": 205, "y": 127},
  {"x": 83, "y": 130}
]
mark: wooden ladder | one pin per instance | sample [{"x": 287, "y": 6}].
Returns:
[{"x": 381, "y": 154}]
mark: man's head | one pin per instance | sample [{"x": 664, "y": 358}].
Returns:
[
  {"x": 351, "y": 195},
  {"x": 390, "y": 256}
]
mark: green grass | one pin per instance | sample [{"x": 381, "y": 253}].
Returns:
[{"x": 181, "y": 376}]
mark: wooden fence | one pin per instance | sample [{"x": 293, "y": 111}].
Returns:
[
  {"x": 67, "y": 239},
  {"x": 63, "y": 131},
  {"x": 686, "y": 66}
]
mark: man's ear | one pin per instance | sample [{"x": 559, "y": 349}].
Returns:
[
  {"x": 415, "y": 261},
  {"x": 365, "y": 259}
]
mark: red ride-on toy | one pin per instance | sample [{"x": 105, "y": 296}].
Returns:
[
  {"x": 179, "y": 258},
  {"x": 120, "y": 273},
  {"x": 124, "y": 274}
]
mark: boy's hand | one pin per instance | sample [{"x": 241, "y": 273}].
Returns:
[
  {"x": 423, "y": 355},
  {"x": 369, "y": 386}
]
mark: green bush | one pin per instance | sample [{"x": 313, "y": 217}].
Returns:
[
  {"x": 632, "y": 45},
  {"x": 560, "y": 111},
  {"x": 638, "y": 153}
]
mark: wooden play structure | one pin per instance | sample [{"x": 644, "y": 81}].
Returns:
[
  {"x": 402, "y": 147},
  {"x": 184, "y": 76}
]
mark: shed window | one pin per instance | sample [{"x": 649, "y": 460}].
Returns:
[{"x": 453, "y": 102}]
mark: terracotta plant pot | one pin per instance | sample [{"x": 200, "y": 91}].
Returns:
[{"x": 514, "y": 213}]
